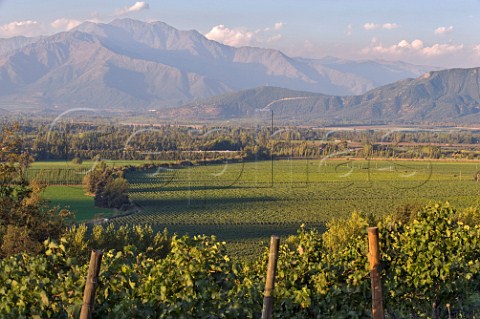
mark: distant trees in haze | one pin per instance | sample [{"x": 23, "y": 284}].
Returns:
[{"x": 83, "y": 141}]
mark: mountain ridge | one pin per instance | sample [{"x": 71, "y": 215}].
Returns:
[
  {"x": 435, "y": 97},
  {"x": 129, "y": 64}
]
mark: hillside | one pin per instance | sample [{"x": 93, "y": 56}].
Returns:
[
  {"x": 134, "y": 65},
  {"x": 438, "y": 96}
]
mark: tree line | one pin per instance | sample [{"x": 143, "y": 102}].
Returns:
[{"x": 67, "y": 141}]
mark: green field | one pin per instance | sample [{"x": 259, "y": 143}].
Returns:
[
  {"x": 74, "y": 199},
  {"x": 64, "y": 186},
  {"x": 244, "y": 203}
]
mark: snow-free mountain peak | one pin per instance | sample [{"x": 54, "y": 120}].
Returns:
[{"x": 130, "y": 64}]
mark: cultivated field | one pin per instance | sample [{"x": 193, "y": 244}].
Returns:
[
  {"x": 243, "y": 203},
  {"x": 64, "y": 186}
]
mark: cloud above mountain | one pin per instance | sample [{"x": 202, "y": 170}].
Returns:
[
  {"x": 100, "y": 65},
  {"x": 137, "y": 6},
  {"x": 241, "y": 36},
  {"x": 386, "y": 26},
  {"x": 443, "y": 30},
  {"x": 234, "y": 37},
  {"x": 278, "y": 25},
  {"x": 415, "y": 47},
  {"x": 476, "y": 50},
  {"x": 65, "y": 24},
  {"x": 25, "y": 28}
]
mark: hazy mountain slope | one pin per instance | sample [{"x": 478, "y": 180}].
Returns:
[
  {"x": 439, "y": 96},
  {"x": 362, "y": 76},
  {"x": 15, "y": 43},
  {"x": 129, "y": 64},
  {"x": 242, "y": 104}
]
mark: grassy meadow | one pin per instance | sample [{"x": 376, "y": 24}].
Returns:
[{"x": 74, "y": 199}]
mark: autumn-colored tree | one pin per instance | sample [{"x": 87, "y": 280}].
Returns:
[{"x": 25, "y": 219}]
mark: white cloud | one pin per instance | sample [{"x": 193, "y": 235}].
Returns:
[
  {"x": 441, "y": 49},
  {"x": 241, "y": 36},
  {"x": 65, "y": 24},
  {"x": 443, "y": 30},
  {"x": 25, "y": 28},
  {"x": 386, "y": 26},
  {"x": 389, "y": 26},
  {"x": 416, "y": 47},
  {"x": 234, "y": 37},
  {"x": 417, "y": 44},
  {"x": 349, "y": 30},
  {"x": 370, "y": 26},
  {"x": 275, "y": 38},
  {"x": 96, "y": 17},
  {"x": 476, "y": 49},
  {"x": 277, "y": 26},
  {"x": 137, "y": 6}
]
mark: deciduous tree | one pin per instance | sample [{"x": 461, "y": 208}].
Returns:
[{"x": 25, "y": 219}]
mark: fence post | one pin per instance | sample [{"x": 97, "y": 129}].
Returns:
[
  {"x": 374, "y": 258},
  {"x": 91, "y": 284},
  {"x": 270, "y": 282}
]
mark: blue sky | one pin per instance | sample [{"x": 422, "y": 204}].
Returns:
[{"x": 443, "y": 32}]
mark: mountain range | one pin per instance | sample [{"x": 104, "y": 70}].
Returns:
[
  {"x": 133, "y": 65},
  {"x": 447, "y": 96}
]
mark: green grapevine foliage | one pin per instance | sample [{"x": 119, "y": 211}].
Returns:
[{"x": 431, "y": 269}]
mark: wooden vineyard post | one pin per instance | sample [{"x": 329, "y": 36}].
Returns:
[
  {"x": 91, "y": 284},
  {"x": 270, "y": 282},
  {"x": 374, "y": 258}
]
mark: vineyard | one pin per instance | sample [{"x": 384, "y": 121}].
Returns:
[
  {"x": 430, "y": 262},
  {"x": 57, "y": 176},
  {"x": 430, "y": 268},
  {"x": 65, "y": 189},
  {"x": 243, "y": 203}
]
